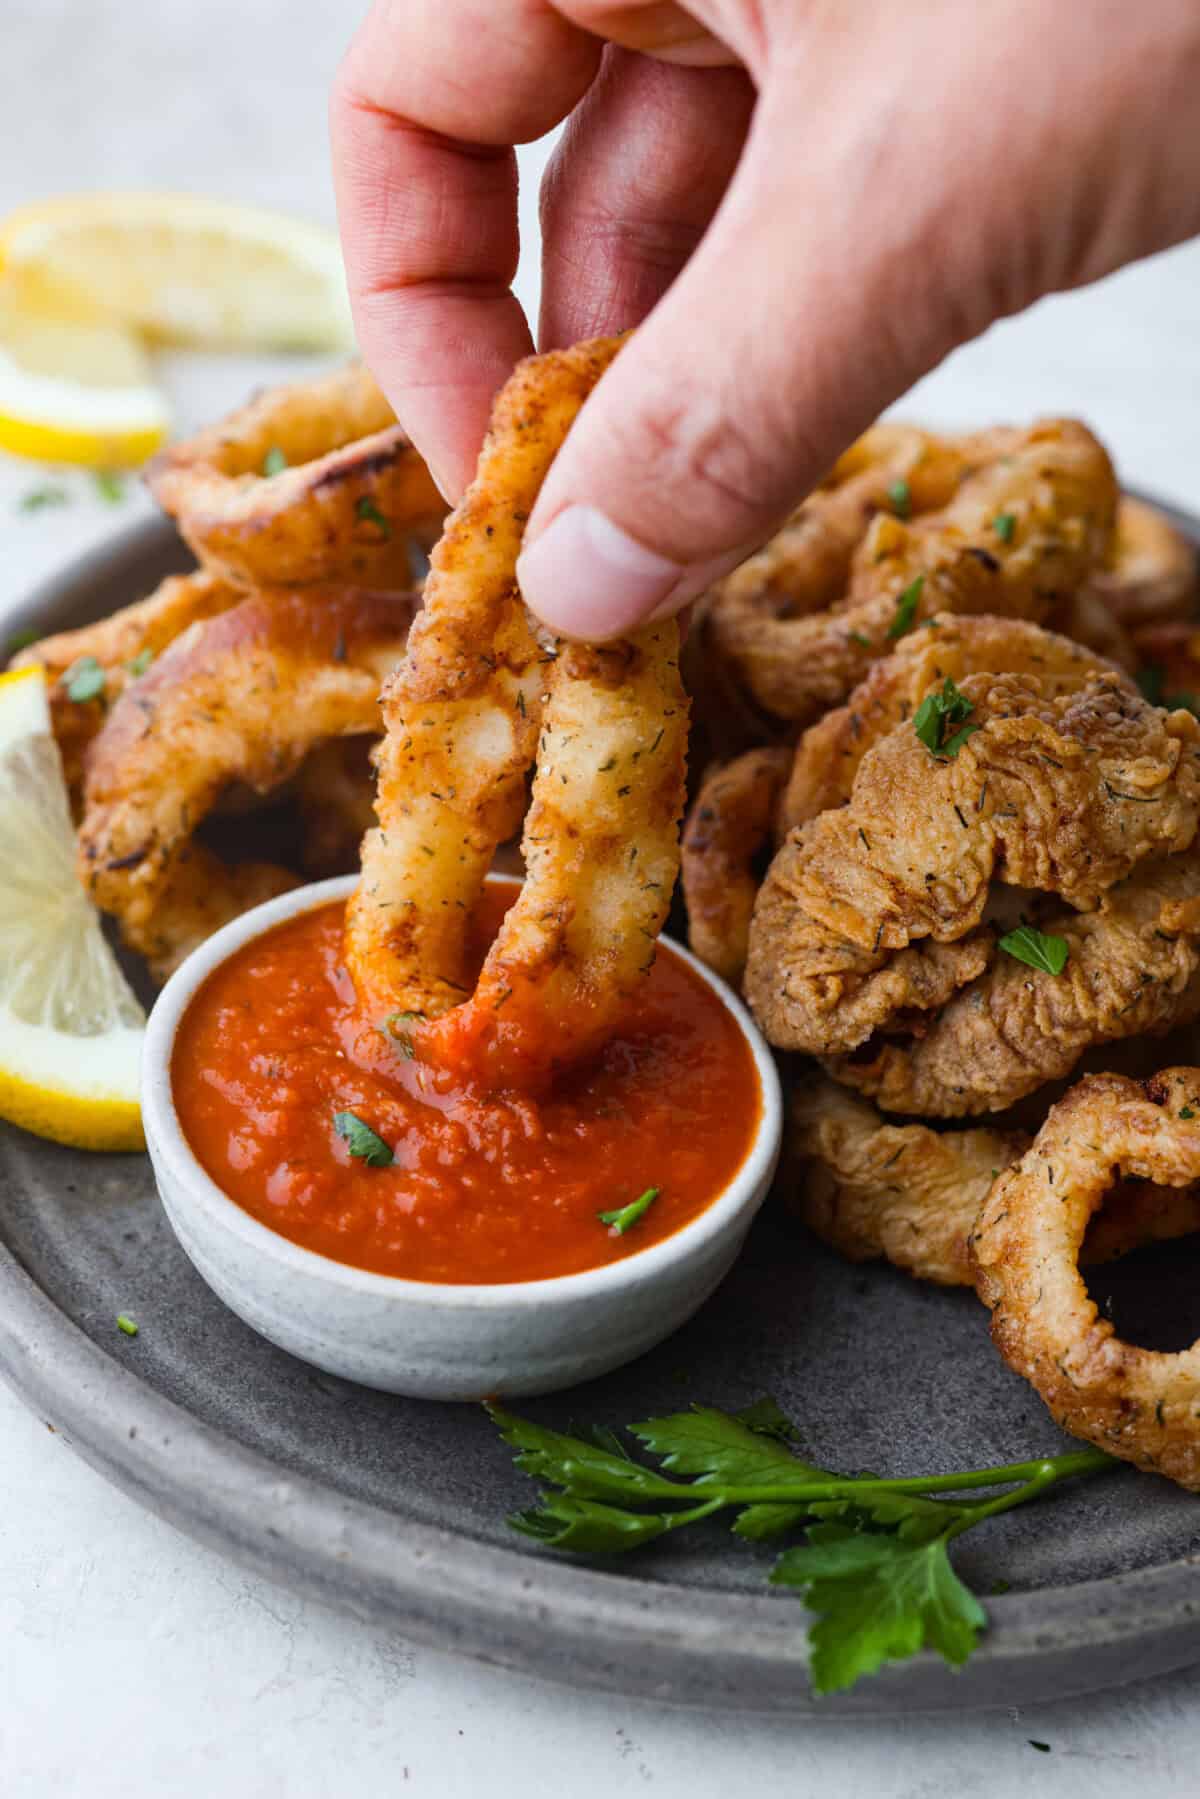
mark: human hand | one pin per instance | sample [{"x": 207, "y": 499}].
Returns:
[{"x": 808, "y": 204}]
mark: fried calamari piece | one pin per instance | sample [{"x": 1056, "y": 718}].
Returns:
[
  {"x": 911, "y": 1195},
  {"x": 1021, "y": 533},
  {"x": 873, "y": 911},
  {"x": 830, "y": 752},
  {"x": 239, "y": 699},
  {"x": 475, "y": 699},
  {"x": 348, "y": 494},
  {"x": 1150, "y": 573},
  {"x": 730, "y": 823},
  {"x": 1138, "y": 1404},
  {"x": 1132, "y": 970},
  {"x": 123, "y": 646}
]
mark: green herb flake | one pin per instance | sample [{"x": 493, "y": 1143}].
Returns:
[
  {"x": 362, "y": 1141},
  {"x": 140, "y": 663},
  {"x": 906, "y": 609},
  {"x": 627, "y": 1216},
  {"x": 900, "y": 498},
  {"x": 1038, "y": 949},
  {"x": 109, "y": 486},
  {"x": 935, "y": 719},
  {"x": 40, "y": 499},
  {"x": 1004, "y": 524},
  {"x": 367, "y": 509},
  {"x": 858, "y": 638},
  {"x": 84, "y": 680},
  {"x": 274, "y": 462},
  {"x": 397, "y": 1027},
  {"x": 127, "y": 1324},
  {"x": 1186, "y": 1112},
  {"x": 1042, "y": 1748}
]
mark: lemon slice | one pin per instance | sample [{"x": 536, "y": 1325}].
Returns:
[
  {"x": 70, "y": 1028},
  {"x": 74, "y": 389},
  {"x": 181, "y": 269}
]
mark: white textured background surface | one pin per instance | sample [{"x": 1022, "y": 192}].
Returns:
[{"x": 134, "y": 1664}]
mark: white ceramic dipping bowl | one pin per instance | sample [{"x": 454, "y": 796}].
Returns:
[{"x": 419, "y": 1338}]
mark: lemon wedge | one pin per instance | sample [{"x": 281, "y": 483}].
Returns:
[
  {"x": 74, "y": 389},
  {"x": 185, "y": 270},
  {"x": 70, "y": 1028}
]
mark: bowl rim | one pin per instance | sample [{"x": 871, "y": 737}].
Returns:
[{"x": 169, "y": 1146}]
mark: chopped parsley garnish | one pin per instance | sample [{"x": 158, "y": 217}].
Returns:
[
  {"x": 906, "y": 608},
  {"x": 935, "y": 719},
  {"x": 627, "y": 1216},
  {"x": 874, "y": 1564},
  {"x": 857, "y": 637},
  {"x": 38, "y": 499},
  {"x": 84, "y": 680},
  {"x": 127, "y": 1324},
  {"x": 900, "y": 497},
  {"x": 1038, "y": 949},
  {"x": 1004, "y": 524},
  {"x": 140, "y": 663},
  {"x": 1043, "y": 1748},
  {"x": 397, "y": 1027},
  {"x": 110, "y": 487},
  {"x": 362, "y": 1141},
  {"x": 274, "y": 462},
  {"x": 1186, "y": 1112},
  {"x": 368, "y": 510}
]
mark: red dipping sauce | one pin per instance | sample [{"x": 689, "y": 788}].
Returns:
[{"x": 484, "y": 1187}]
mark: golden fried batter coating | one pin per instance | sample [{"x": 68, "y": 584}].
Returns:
[
  {"x": 353, "y": 493},
  {"x": 873, "y": 910},
  {"x": 911, "y": 1194},
  {"x": 1138, "y": 1404},
  {"x": 241, "y": 698},
  {"x": 1150, "y": 573},
  {"x": 1022, "y": 532},
  {"x": 730, "y": 822},
  {"x": 830, "y": 752},
  {"x": 121, "y": 644}
]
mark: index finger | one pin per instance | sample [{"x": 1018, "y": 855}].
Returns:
[{"x": 430, "y": 99}]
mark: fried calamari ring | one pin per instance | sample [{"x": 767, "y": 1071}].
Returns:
[
  {"x": 1138, "y": 1404},
  {"x": 830, "y": 752},
  {"x": 1150, "y": 573},
  {"x": 241, "y": 698},
  {"x": 911, "y": 1195},
  {"x": 731, "y": 821},
  {"x": 354, "y": 491},
  {"x": 476, "y": 698},
  {"x": 873, "y": 910},
  {"x": 1053, "y": 488},
  {"x": 1133, "y": 969},
  {"x": 124, "y": 645}
]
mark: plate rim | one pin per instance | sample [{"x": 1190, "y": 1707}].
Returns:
[{"x": 568, "y": 1622}]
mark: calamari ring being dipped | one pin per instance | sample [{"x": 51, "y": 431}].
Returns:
[
  {"x": 241, "y": 698},
  {"x": 342, "y": 512},
  {"x": 476, "y": 700},
  {"x": 123, "y": 645},
  {"x": 873, "y": 910},
  {"x": 911, "y": 1195},
  {"x": 1139, "y": 1404},
  {"x": 1054, "y": 488}
]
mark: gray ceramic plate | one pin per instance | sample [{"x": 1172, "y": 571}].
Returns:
[{"x": 395, "y": 1510}]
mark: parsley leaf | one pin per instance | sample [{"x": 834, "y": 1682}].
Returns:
[
  {"x": 900, "y": 496},
  {"x": 140, "y": 663},
  {"x": 906, "y": 608},
  {"x": 274, "y": 462},
  {"x": 1186, "y": 1112},
  {"x": 393, "y": 1028},
  {"x": 1004, "y": 524},
  {"x": 39, "y": 499},
  {"x": 877, "y": 1599},
  {"x": 367, "y": 509},
  {"x": 627, "y": 1216},
  {"x": 1038, "y": 949},
  {"x": 939, "y": 713},
  {"x": 84, "y": 680},
  {"x": 110, "y": 487},
  {"x": 126, "y": 1324},
  {"x": 363, "y": 1142}
]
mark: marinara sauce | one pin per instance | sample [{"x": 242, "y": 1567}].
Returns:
[{"x": 483, "y": 1187}]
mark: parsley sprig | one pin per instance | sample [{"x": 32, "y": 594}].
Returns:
[
  {"x": 874, "y": 1568},
  {"x": 363, "y": 1143},
  {"x": 937, "y": 715},
  {"x": 906, "y": 609},
  {"x": 1037, "y": 949}
]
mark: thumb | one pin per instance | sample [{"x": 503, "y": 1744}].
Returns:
[{"x": 797, "y": 320}]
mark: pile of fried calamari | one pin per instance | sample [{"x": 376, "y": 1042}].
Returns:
[{"x": 946, "y": 842}]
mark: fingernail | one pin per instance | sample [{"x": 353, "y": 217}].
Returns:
[{"x": 585, "y": 577}]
